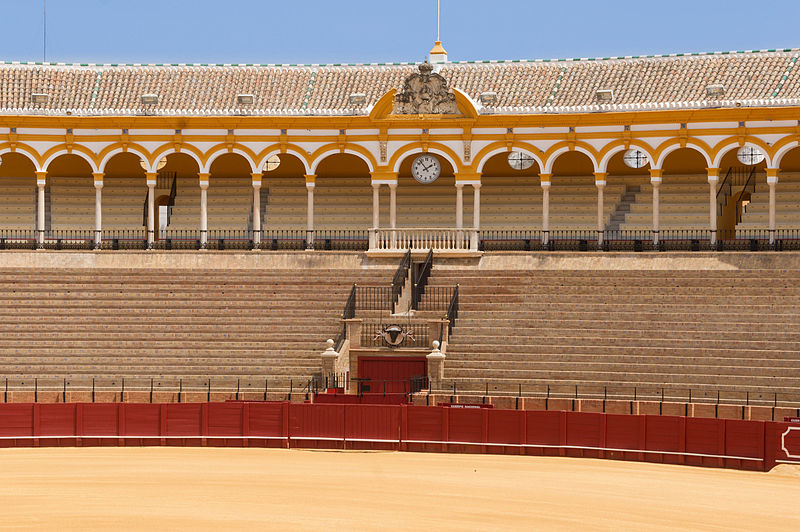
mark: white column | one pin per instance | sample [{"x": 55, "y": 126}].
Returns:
[
  {"x": 376, "y": 214},
  {"x": 713, "y": 179},
  {"x": 772, "y": 181},
  {"x": 256, "y": 210},
  {"x": 310, "y": 183},
  {"x": 600, "y": 183},
  {"x": 41, "y": 180},
  {"x": 655, "y": 181},
  {"x": 476, "y": 216},
  {"x": 151, "y": 208},
  {"x": 459, "y": 206},
  {"x": 545, "y": 182},
  {"x": 393, "y": 205},
  {"x": 203, "y": 209},
  {"x": 98, "y": 209}
]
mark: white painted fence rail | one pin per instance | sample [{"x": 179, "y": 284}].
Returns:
[{"x": 422, "y": 239}]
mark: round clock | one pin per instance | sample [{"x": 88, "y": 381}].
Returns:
[
  {"x": 426, "y": 168},
  {"x": 749, "y": 155},
  {"x": 519, "y": 160},
  {"x": 635, "y": 158}
]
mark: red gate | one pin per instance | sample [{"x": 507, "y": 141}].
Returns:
[{"x": 390, "y": 374}]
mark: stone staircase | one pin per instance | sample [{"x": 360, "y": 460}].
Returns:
[
  {"x": 623, "y": 207},
  {"x": 733, "y": 332},
  {"x": 171, "y": 324}
]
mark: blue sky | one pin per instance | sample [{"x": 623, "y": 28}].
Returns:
[{"x": 317, "y": 31}]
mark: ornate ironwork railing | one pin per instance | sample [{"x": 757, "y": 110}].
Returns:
[{"x": 421, "y": 280}]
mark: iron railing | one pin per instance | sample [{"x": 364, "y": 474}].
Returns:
[
  {"x": 750, "y": 239},
  {"x": 452, "y": 315},
  {"x": 749, "y": 184},
  {"x": 730, "y": 395},
  {"x": 18, "y": 239},
  {"x": 400, "y": 277},
  {"x": 119, "y": 388},
  {"x": 421, "y": 280}
]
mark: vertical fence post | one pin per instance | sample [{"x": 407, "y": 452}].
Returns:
[
  {"x": 36, "y": 390},
  {"x": 237, "y": 389},
  {"x": 64, "y": 392},
  {"x": 93, "y": 389},
  {"x": 151, "y": 390},
  {"x": 208, "y": 390},
  {"x": 180, "y": 389},
  {"x": 266, "y": 385},
  {"x": 122, "y": 391}
]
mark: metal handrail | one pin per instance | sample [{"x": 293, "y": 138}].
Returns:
[
  {"x": 451, "y": 316},
  {"x": 400, "y": 276},
  {"x": 422, "y": 280},
  {"x": 751, "y": 177}
]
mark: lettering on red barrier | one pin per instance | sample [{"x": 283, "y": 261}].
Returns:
[
  {"x": 791, "y": 420},
  {"x": 790, "y": 442},
  {"x": 454, "y": 405}
]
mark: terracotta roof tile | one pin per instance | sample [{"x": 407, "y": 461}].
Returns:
[{"x": 760, "y": 78}]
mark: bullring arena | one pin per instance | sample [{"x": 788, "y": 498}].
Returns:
[{"x": 511, "y": 295}]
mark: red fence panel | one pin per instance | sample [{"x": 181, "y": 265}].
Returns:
[
  {"x": 710, "y": 442},
  {"x": 746, "y": 439},
  {"x": 546, "y": 429},
  {"x": 624, "y": 432},
  {"x": 665, "y": 433},
  {"x": 316, "y": 426},
  {"x": 426, "y": 423},
  {"x": 372, "y": 422},
  {"x": 705, "y": 436},
  {"x": 97, "y": 419},
  {"x": 505, "y": 426}
]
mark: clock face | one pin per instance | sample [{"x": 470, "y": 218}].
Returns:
[
  {"x": 749, "y": 155},
  {"x": 635, "y": 158},
  {"x": 426, "y": 168},
  {"x": 519, "y": 160}
]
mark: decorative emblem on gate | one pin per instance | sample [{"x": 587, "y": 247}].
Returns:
[
  {"x": 394, "y": 335},
  {"x": 425, "y": 93}
]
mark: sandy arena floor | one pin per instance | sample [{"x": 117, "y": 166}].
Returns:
[{"x": 257, "y": 489}]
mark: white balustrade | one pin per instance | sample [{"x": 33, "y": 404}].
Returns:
[{"x": 423, "y": 239}]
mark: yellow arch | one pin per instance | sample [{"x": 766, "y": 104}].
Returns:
[
  {"x": 222, "y": 148},
  {"x": 614, "y": 147},
  {"x": 107, "y": 153},
  {"x": 23, "y": 148},
  {"x": 483, "y": 156},
  {"x": 276, "y": 149},
  {"x": 557, "y": 150},
  {"x": 330, "y": 149},
  {"x": 782, "y": 147},
  {"x": 668, "y": 146},
  {"x": 168, "y": 149},
  {"x": 724, "y": 146},
  {"x": 75, "y": 149},
  {"x": 432, "y": 147}
]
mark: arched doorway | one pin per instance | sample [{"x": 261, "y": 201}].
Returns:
[{"x": 17, "y": 199}]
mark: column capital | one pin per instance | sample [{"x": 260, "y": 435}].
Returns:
[
  {"x": 152, "y": 177},
  {"x": 459, "y": 186},
  {"x": 257, "y": 177},
  {"x": 41, "y": 178},
  {"x": 713, "y": 173},
  {"x": 311, "y": 180},
  {"x": 476, "y": 186},
  {"x": 545, "y": 179},
  {"x": 468, "y": 178},
  {"x": 772, "y": 173},
  {"x": 393, "y": 186},
  {"x": 656, "y": 173},
  {"x": 600, "y": 176},
  {"x": 383, "y": 177},
  {"x": 376, "y": 185}
]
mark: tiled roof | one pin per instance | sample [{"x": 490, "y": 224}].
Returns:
[{"x": 752, "y": 78}]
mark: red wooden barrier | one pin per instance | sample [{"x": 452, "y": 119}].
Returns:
[{"x": 738, "y": 444}]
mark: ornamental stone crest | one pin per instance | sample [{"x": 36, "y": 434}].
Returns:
[{"x": 425, "y": 93}]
